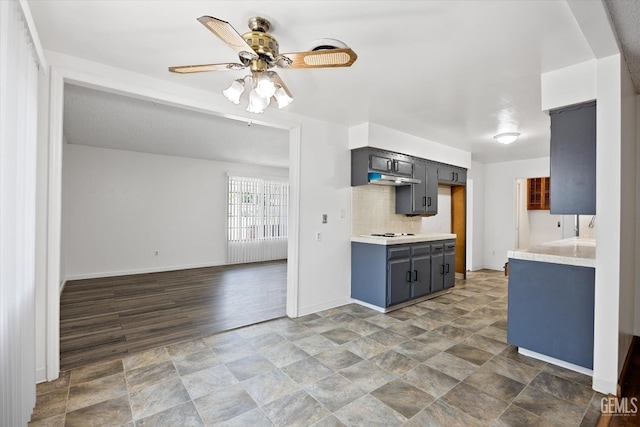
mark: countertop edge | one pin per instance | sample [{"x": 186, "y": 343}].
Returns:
[
  {"x": 555, "y": 259},
  {"x": 403, "y": 240}
]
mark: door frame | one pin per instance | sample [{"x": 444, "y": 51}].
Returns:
[{"x": 54, "y": 283}]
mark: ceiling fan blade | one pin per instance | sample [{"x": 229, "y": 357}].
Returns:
[
  {"x": 229, "y": 35},
  {"x": 317, "y": 59},
  {"x": 187, "y": 69}
]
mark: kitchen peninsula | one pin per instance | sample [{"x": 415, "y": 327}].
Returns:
[
  {"x": 551, "y": 302},
  {"x": 391, "y": 271}
]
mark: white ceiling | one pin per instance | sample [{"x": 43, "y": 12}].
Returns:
[
  {"x": 455, "y": 72},
  {"x": 102, "y": 119}
]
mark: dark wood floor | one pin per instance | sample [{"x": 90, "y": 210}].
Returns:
[
  {"x": 630, "y": 388},
  {"x": 111, "y": 317}
]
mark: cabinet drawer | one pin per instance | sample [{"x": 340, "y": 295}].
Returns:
[
  {"x": 398, "y": 252},
  {"x": 420, "y": 249},
  {"x": 437, "y": 247},
  {"x": 450, "y": 246}
]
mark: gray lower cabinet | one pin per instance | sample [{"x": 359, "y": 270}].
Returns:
[
  {"x": 385, "y": 276},
  {"x": 419, "y": 199},
  {"x": 443, "y": 258},
  {"x": 399, "y": 274},
  {"x": 550, "y": 310}
]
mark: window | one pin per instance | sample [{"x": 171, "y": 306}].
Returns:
[{"x": 257, "y": 219}]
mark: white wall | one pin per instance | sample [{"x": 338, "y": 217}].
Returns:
[
  {"x": 476, "y": 174},
  {"x": 535, "y": 226},
  {"x": 323, "y": 273},
  {"x": 325, "y": 184},
  {"x": 440, "y": 223},
  {"x": 500, "y": 205},
  {"x": 628, "y": 211},
  {"x": 374, "y": 135},
  {"x": 119, "y": 207}
]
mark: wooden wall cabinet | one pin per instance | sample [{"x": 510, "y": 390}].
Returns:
[{"x": 538, "y": 193}]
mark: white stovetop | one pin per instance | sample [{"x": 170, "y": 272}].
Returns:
[
  {"x": 381, "y": 240},
  {"x": 577, "y": 251}
]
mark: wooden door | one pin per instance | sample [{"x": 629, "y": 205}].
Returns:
[{"x": 459, "y": 226}]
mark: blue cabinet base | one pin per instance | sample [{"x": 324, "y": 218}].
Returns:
[
  {"x": 401, "y": 305},
  {"x": 551, "y": 310}
]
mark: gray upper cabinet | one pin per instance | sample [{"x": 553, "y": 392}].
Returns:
[
  {"x": 419, "y": 199},
  {"x": 452, "y": 175},
  {"x": 573, "y": 160},
  {"x": 366, "y": 159}
]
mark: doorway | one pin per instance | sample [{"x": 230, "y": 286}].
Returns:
[{"x": 54, "y": 207}]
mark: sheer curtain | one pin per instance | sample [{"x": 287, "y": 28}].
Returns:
[
  {"x": 18, "y": 124},
  {"x": 257, "y": 219}
]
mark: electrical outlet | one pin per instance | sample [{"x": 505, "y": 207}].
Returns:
[
  {"x": 318, "y": 236},
  {"x": 342, "y": 213},
  {"x": 324, "y": 218},
  {"x": 157, "y": 252}
]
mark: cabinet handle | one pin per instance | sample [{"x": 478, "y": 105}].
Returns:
[
  {"x": 408, "y": 276},
  {"x": 428, "y": 201},
  {"x": 389, "y": 165},
  {"x": 442, "y": 269},
  {"x": 447, "y": 268},
  {"x": 424, "y": 201},
  {"x": 456, "y": 176},
  {"x": 415, "y": 275}
]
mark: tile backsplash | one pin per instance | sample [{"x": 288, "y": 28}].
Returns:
[
  {"x": 585, "y": 230},
  {"x": 373, "y": 210}
]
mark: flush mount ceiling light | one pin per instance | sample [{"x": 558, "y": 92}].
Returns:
[
  {"x": 507, "y": 137},
  {"x": 258, "y": 51}
]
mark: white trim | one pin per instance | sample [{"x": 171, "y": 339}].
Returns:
[
  {"x": 294, "y": 223},
  {"x": 54, "y": 215},
  {"x": 324, "y": 306},
  {"x": 141, "y": 271},
  {"x": 554, "y": 361},
  {"x": 33, "y": 33},
  {"x": 41, "y": 375},
  {"x": 60, "y": 76}
]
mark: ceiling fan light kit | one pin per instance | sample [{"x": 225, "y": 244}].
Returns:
[
  {"x": 507, "y": 138},
  {"x": 259, "y": 51}
]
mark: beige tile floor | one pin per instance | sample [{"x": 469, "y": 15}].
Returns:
[{"x": 442, "y": 362}]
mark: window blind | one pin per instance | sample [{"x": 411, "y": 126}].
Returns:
[
  {"x": 257, "y": 227},
  {"x": 18, "y": 124}
]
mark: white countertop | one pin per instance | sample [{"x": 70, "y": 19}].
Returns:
[
  {"x": 380, "y": 240},
  {"x": 576, "y": 251}
]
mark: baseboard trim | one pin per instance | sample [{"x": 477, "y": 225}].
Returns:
[
  {"x": 303, "y": 311},
  {"x": 141, "y": 271},
  {"x": 554, "y": 361},
  {"x": 41, "y": 375},
  {"x": 603, "y": 386}
]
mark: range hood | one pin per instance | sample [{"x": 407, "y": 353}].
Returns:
[{"x": 382, "y": 179}]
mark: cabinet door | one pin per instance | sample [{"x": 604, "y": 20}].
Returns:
[
  {"x": 399, "y": 281},
  {"x": 419, "y": 199},
  {"x": 573, "y": 160},
  {"x": 437, "y": 267},
  {"x": 432, "y": 189},
  {"x": 446, "y": 174},
  {"x": 402, "y": 167},
  {"x": 449, "y": 270},
  {"x": 380, "y": 163},
  {"x": 421, "y": 272},
  {"x": 461, "y": 176}
]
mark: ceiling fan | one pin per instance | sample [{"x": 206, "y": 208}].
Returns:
[{"x": 258, "y": 51}]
